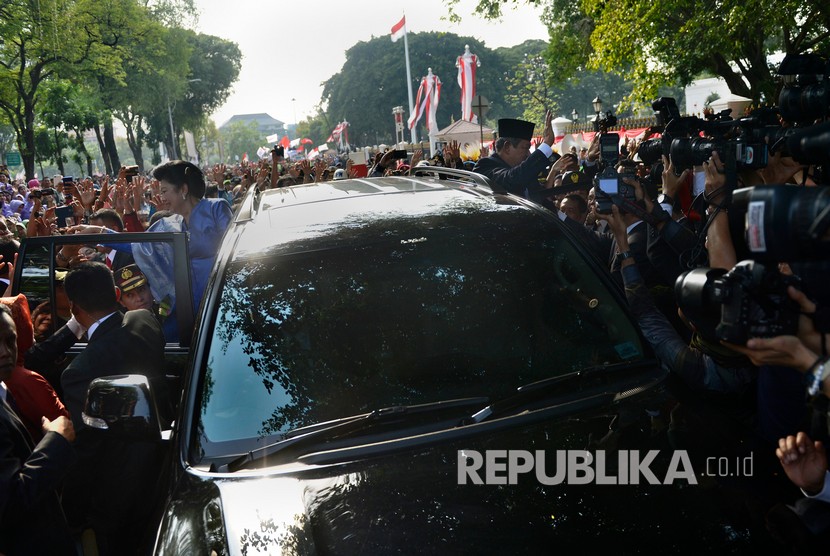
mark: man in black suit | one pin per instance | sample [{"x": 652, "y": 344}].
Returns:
[
  {"x": 512, "y": 166},
  {"x": 31, "y": 520},
  {"x": 109, "y": 489}
]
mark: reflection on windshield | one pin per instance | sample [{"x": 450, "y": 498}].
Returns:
[{"x": 411, "y": 311}]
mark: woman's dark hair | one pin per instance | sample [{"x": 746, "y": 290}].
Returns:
[{"x": 178, "y": 173}]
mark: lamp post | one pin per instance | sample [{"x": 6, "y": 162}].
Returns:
[
  {"x": 597, "y": 102},
  {"x": 172, "y": 130},
  {"x": 575, "y": 117}
]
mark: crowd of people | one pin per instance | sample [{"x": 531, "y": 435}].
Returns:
[
  {"x": 646, "y": 243},
  {"x": 119, "y": 299}
]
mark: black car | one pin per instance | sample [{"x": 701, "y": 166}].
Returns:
[{"x": 409, "y": 364}]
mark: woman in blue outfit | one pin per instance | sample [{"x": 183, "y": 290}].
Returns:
[{"x": 182, "y": 187}]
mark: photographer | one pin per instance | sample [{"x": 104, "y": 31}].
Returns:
[{"x": 704, "y": 365}]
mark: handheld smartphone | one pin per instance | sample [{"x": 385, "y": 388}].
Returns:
[
  {"x": 609, "y": 148},
  {"x": 68, "y": 179},
  {"x": 399, "y": 154},
  {"x": 65, "y": 217}
]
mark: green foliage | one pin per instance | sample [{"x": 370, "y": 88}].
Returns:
[
  {"x": 317, "y": 129},
  {"x": 373, "y": 81},
  {"x": 240, "y": 138},
  {"x": 657, "y": 43},
  {"x": 128, "y": 57}
]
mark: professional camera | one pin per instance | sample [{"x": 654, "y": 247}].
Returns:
[
  {"x": 608, "y": 183},
  {"x": 781, "y": 223},
  {"x": 749, "y": 301},
  {"x": 694, "y": 151},
  {"x": 805, "y": 96},
  {"x": 604, "y": 121}
]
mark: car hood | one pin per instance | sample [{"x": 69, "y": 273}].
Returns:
[{"x": 413, "y": 501}]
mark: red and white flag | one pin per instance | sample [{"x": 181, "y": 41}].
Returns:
[
  {"x": 467, "y": 65},
  {"x": 399, "y": 29},
  {"x": 340, "y": 134},
  {"x": 430, "y": 92}
]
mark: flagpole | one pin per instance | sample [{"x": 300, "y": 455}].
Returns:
[{"x": 409, "y": 84}]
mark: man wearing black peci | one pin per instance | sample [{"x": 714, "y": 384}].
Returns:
[{"x": 512, "y": 166}]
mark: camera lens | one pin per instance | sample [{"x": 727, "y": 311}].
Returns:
[
  {"x": 804, "y": 104},
  {"x": 687, "y": 151},
  {"x": 650, "y": 151}
]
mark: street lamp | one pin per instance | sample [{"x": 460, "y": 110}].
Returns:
[
  {"x": 172, "y": 131},
  {"x": 575, "y": 116},
  {"x": 597, "y": 102}
]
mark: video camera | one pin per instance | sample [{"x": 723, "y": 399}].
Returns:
[
  {"x": 608, "y": 184},
  {"x": 748, "y": 301},
  {"x": 774, "y": 223}
]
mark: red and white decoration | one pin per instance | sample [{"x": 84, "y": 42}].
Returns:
[
  {"x": 340, "y": 134},
  {"x": 467, "y": 64},
  {"x": 426, "y": 102}
]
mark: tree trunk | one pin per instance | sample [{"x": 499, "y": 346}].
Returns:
[
  {"x": 104, "y": 152},
  {"x": 27, "y": 149},
  {"x": 81, "y": 148},
  {"x": 109, "y": 142},
  {"x": 58, "y": 153},
  {"x": 135, "y": 145}
]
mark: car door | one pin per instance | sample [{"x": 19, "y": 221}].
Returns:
[{"x": 39, "y": 275}]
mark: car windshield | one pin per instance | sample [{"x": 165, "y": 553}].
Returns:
[{"x": 472, "y": 303}]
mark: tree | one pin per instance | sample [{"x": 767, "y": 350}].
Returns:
[
  {"x": 240, "y": 138},
  {"x": 529, "y": 86},
  {"x": 50, "y": 38},
  {"x": 317, "y": 129},
  {"x": 666, "y": 42},
  {"x": 373, "y": 81}
]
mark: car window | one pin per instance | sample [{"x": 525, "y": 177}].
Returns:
[
  {"x": 476, "y": 303},
  {"x": 40, "y": 275}
]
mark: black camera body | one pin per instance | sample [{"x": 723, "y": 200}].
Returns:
[
  {"x": 608, "y": 183},
  {"x": 748, "y": 301},
  {"x": 694, "y": 151},
  {"x": 805, "y": 96}
]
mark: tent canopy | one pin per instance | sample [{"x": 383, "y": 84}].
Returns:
[{"x": 464, "y": 132}]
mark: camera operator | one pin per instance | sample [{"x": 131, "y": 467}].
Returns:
[
  {"x": 780, "y": 390},
  {"x": 704, "y": 365}
]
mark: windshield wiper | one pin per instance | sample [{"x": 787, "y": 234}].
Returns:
[
  {"x": 347, "y": 425},
  {"x": 535, "y": 391}
]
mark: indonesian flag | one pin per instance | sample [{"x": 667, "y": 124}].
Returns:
[
  {"x": 467, "y": 65},
  {"x": 306, "y": 141},
  {"x": 430, "y": 92},
  {"x": 399, "y": 29},
  {"x": 285, "y": 142},
  {"x": 314, "y": 153},
  {"x": 295, "y": 143},
  {"x": 245, "y": 158},
  {"x": 335, "y": 134}
]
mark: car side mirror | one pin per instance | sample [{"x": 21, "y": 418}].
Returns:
[{"x": 124, "y": 405}]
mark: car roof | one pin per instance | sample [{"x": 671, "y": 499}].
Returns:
[{"x": 301, "y": 214}]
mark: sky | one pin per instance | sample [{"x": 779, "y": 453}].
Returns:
[{"x": 289, "y": 47}]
